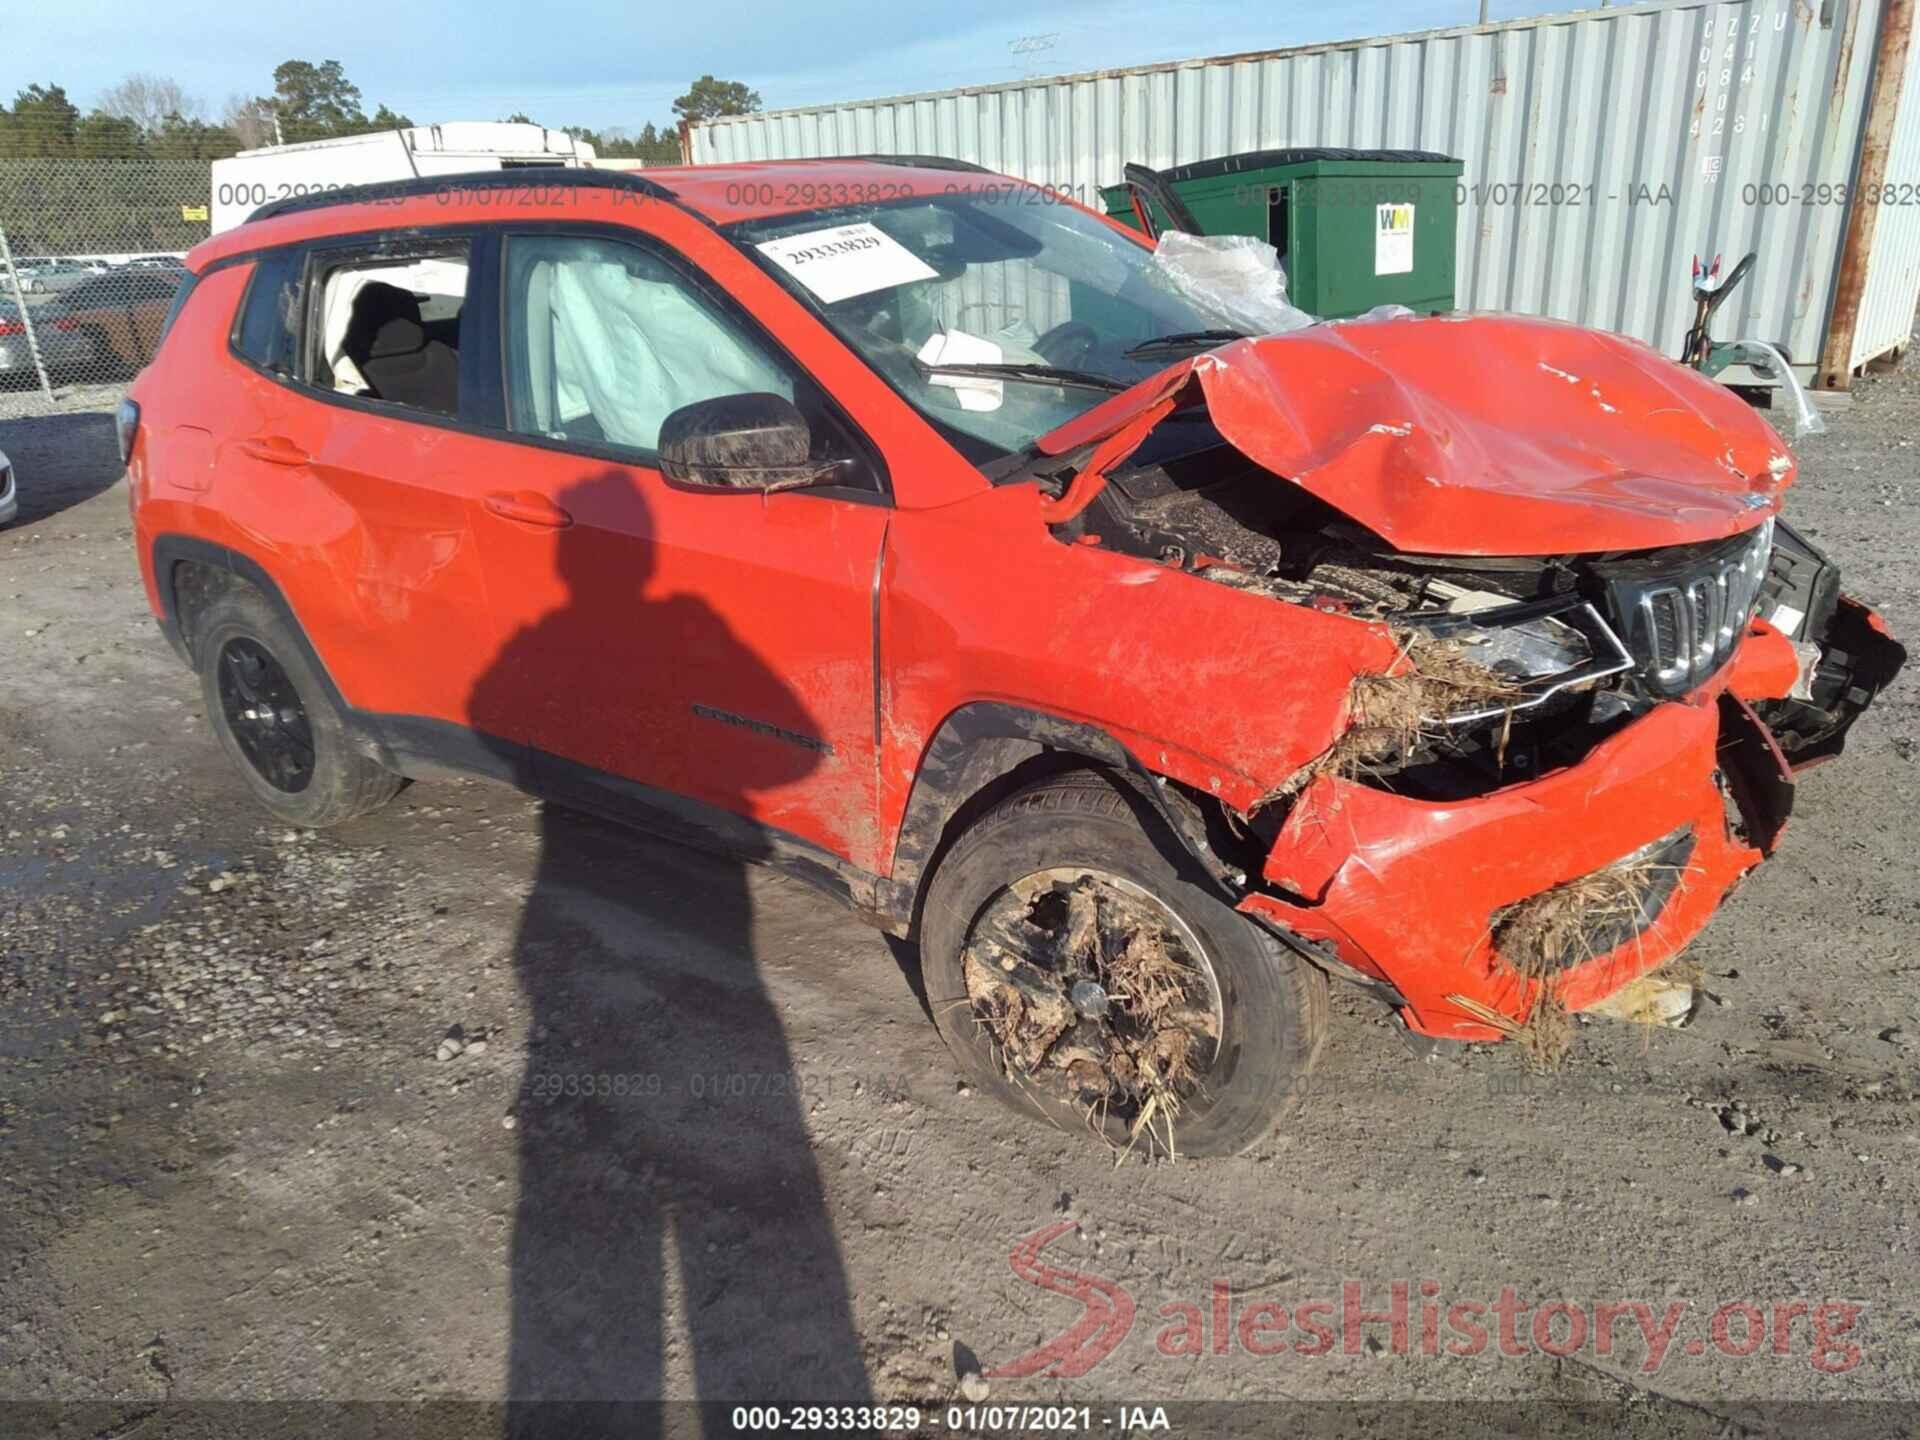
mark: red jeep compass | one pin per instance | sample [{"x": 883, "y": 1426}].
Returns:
[{"x": 915, "y": 530}]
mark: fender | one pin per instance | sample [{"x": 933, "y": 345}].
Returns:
[
  {"x": 171, "y": 550},
  {"x": 983, "y": 740}
]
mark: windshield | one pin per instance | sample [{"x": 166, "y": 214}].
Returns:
[{"x": 999, "y": 315}]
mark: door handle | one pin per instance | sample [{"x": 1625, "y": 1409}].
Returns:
[
  {"x": 274, "y": 449},
  {"x": 528, "y": 507}
]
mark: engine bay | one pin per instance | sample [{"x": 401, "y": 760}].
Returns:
[{"x": 1572, "y": 646}]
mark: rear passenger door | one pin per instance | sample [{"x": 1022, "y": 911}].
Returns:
[
  {"x": 352, "y": 460},
  {"x": 670, "y": 645}
]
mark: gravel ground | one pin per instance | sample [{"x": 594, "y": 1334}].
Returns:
[{"x": 300, "y": 1116}]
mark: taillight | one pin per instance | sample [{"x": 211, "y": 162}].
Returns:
[
  {"x": 126, "y": 420},
  {"x": 12, "y": 327},
  {"x": 66, "y": 322}
]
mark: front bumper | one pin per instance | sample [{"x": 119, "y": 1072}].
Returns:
[{"x": 1407, "y": 892}]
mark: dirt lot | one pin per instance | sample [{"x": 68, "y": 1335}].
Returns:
[{"x": 242, "y": 1159}]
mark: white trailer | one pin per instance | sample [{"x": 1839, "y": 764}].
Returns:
[{"x": 276, "y": 172}]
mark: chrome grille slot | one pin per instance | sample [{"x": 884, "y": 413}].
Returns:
[{"x": 1683, "y": 627}]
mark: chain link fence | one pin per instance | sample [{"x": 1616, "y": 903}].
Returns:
[{"x": 90, "y": 259}]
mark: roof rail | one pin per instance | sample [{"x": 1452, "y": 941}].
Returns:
[
  {"x": 470, "y": 180},
  {"x": 918, "y": 162}
]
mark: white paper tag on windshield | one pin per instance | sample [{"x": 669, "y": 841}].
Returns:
[
  {"x": 957, "y": 347},
  {"x": 846, "y": 260}
]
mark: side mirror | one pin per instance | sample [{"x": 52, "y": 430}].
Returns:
[{"x": 754, "y": 442}]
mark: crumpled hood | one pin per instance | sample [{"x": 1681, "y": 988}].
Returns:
[{"x": 1477, "y": 435}]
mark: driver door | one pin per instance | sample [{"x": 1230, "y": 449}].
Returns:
[{"x": 709, "y": 655}]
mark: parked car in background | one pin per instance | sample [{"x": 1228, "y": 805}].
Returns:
[
  {"x": 117, "y": 318},
  {"x": 16, "y": 359},
  {"x": 61, "y": 351},
  {"x": 9, "y": 494},
  {"x": 53, "y": 277},
  {"x": 982, "y": 562}
]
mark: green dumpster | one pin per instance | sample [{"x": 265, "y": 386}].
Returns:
[{"x": 1354, "y": 228}]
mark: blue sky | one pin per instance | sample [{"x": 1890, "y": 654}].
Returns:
[{"x": 604, "y": 63}]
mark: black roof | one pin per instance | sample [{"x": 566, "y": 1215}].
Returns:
[
  {"x": 1265, "y": 159},
  {"x": 918, "y": 162},
  {"x": 545, "y": 176},
  {"x": 469, "y": 181}
]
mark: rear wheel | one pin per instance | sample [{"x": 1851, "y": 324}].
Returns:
[
  {"x": 275, "y": 720},
  {"x": 1085, "y": 979}
]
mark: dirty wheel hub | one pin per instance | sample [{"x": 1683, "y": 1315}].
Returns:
[
  {"x": 1097, "y": 994},
  {"x": 265, "y": 716}
]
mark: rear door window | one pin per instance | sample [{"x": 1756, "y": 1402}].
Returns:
[
  {"x": 268, "y": 330},
  {"x": 386, "y": 323}
]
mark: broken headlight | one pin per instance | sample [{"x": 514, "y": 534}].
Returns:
[{"x": 1540, "y": 648}]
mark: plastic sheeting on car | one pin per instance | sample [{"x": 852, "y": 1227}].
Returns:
[
  {"x": 1806, "y": 419},
  {"x": 1236, "y": 277}
]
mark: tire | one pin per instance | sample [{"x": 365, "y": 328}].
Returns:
[
  {"x": 240, "y": 641},
  {"x": 1271, "y": 1006}
]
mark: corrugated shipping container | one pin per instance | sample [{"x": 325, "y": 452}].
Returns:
[
  {"x": 1603, "y": 150},
  {"x": 1884, "y": 316}
]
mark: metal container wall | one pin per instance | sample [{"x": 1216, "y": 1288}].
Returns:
[
  {"x": 1603, "y": 150},
  {"x": 1893, "y": 265}
]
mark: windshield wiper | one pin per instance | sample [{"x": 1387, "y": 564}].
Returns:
[
  {"x": 1183, "y": 340},
  {"x": 1038, "y": 374}
]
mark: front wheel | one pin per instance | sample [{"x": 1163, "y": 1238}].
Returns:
[
  {"x": 274, "y": 718},
  {"x": 1084, "y": 978}
]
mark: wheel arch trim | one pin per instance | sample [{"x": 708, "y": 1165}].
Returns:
[
  {"x": 983, "y": 741},
  {"x": 170, "y": 551}
]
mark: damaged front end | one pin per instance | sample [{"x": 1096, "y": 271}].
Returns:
[
  {"x": 1602, "y": 686},
  {"x": 1846, "y": 654}
]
